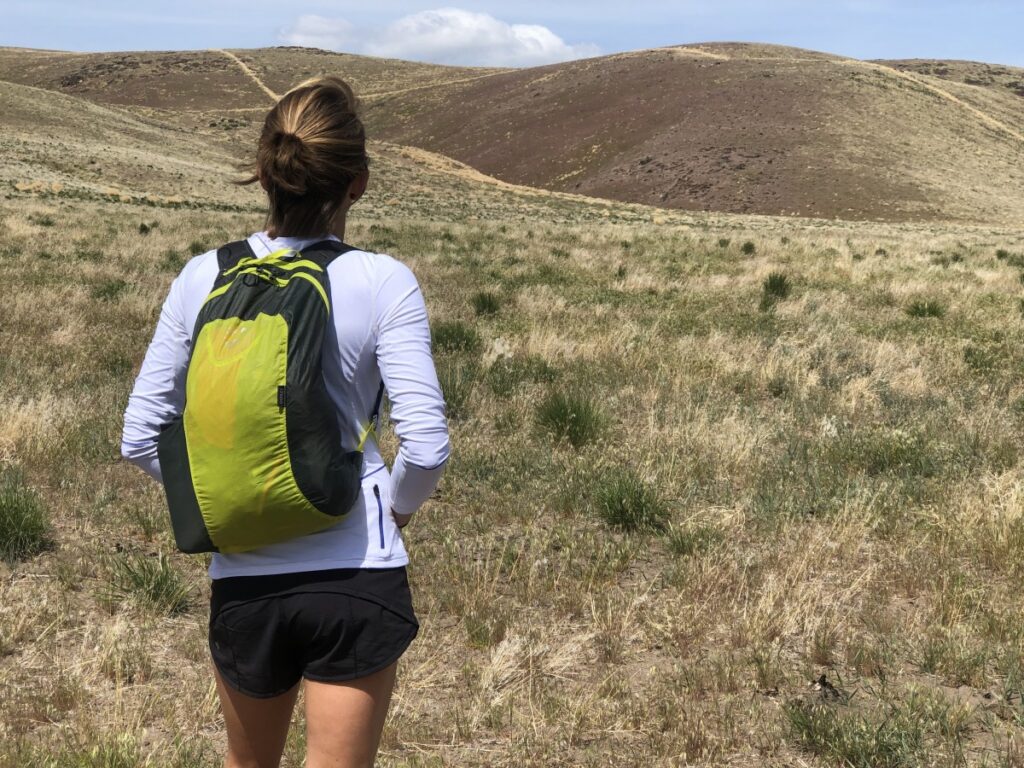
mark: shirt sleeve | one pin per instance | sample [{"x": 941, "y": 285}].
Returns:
[
  {"x": 417, "y": 405},
  {"x": 159, "y": 392}
]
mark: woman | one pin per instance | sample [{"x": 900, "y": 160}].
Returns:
[{"x": 331, "y": 608}]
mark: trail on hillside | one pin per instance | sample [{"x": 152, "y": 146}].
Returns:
[
  {"x": 252, "y": 75},
  {"x": 381, "y": 94},
  {"x": 986, "y": 118}
]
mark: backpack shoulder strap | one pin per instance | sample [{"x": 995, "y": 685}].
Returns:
[
  {"x": 326, "y": 251},
  {"x": 228, "y": 256}
]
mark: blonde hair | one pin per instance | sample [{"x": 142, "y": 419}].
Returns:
[{"x": 312, "y": 146}]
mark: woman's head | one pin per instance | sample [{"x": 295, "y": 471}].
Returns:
[{"x": 312, "y": 148}]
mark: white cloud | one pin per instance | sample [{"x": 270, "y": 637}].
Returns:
[
  {"x": 442, "y": 36},
  {"x": 318, "y": 32}
]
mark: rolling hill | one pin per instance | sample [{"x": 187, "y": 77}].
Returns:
[
  {"x": 719, "y": 127},
  {"x": 735, "y": 128}
]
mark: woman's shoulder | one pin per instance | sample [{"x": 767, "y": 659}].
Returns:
[
  {"x": 201, "y": 267},
  {"x": 378, "y": 267}
]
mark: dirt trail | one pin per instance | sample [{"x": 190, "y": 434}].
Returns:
[
  {"x": 687, "y": 50},
  {"x": 382, "y": 94},
  {"x": 984, "y": 117},
  {"x": 245, "y": 68}
]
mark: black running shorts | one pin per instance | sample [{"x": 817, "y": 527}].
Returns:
[{"x": 268, "y": 632}]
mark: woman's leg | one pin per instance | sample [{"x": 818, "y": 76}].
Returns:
[
  {"x": 257, "y": 728},
  {"x": 344, "y": 720}
]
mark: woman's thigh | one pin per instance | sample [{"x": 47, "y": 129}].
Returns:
[
  {"x": 256, "y": 728},
  {"x": 344, "y": 720}
]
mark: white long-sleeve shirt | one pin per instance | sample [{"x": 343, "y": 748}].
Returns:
[{"x": 379, "y": 332}]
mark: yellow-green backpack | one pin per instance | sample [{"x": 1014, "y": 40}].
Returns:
[{"x": 256, "y": 456}]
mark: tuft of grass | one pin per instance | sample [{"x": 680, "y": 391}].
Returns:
[
  {"x": 458, "y": 380},
  {"x": 151, "y": 582},
  {"x": 198, "y": 246},
  {"x": 687, "y": 540},
  {"x": 775, "y": 288},
  {"x": 723, "y": 242},
  {"x": 121, "y": 751},
  {"x": 172, "y": 260},
  {"x": 748, "y": 248},
  {"x": 571, "y": 416},
  {"x": 486, "y": 303},
  {"x": 24, "y": 524},
  {"x": 109, "y": 290},
  {"x": 912, "y": 732},
  {"x": 925, "y": 308},
  {"x": 507, "y": 374},
  {"x": 624, "y": 500},
  {"x": 454, "y": 336},
  {"x": 854, "y": 740}
]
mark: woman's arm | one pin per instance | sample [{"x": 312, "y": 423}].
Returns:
[
  {"x": 159, "y": 392},
  {"x": 417, "y": 404}
]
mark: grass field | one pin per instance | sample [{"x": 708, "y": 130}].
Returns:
[{"x": 724, "y": 491}]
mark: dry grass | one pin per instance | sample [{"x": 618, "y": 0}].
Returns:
[
  {"x": 839, "y": 482},
  {"x": 805, "y": 461}
]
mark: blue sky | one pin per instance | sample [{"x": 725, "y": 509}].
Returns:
[{"x": 526, "y": 32}]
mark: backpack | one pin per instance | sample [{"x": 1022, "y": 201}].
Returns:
[{"x": 256, "y": 456}]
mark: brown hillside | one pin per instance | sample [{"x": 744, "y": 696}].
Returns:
[
  {"x": 724, "y": 127},
  {"x": 209, "y": 80},
  {"x": 734, "y": 128}
]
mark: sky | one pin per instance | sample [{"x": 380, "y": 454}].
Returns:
[{"x": 527, "y": 32}]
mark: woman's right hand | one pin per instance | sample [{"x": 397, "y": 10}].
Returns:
[{"x": 401, "y": 520}]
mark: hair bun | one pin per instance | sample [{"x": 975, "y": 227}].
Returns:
[
  {"x": 289, "y": 163},
  {"x": 311, "y": 149}
]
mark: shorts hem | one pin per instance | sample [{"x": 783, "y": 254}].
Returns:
[
  {"x": 246, "y": 691},
  {"x": 344, "y": 678}
]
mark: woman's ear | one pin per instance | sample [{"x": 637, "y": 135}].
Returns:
[{"x": 358, "y": 186}]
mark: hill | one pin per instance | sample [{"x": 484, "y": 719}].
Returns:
[
  {"x": 734, "y": 128},
  {"x": 720, "y": 127},
  {"x": 207, "y": 81}
]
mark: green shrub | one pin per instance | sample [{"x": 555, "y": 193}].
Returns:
[
  {"x": 723, "y": 242},
  {"x": 775, "y": 288},
  {"x": 198, "y": 246},
  {"x": 571, "y": 416},
  {"x": 625, "y": 501},
  {"x": 925, "y": 308},
  {"x": 486, "y": 303},
  {"x": 454, "y": 336},
  {"x": 151, "y": 582},
  {"x": 748, "y": 248},
  {"x": 24, "y": 527}
]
